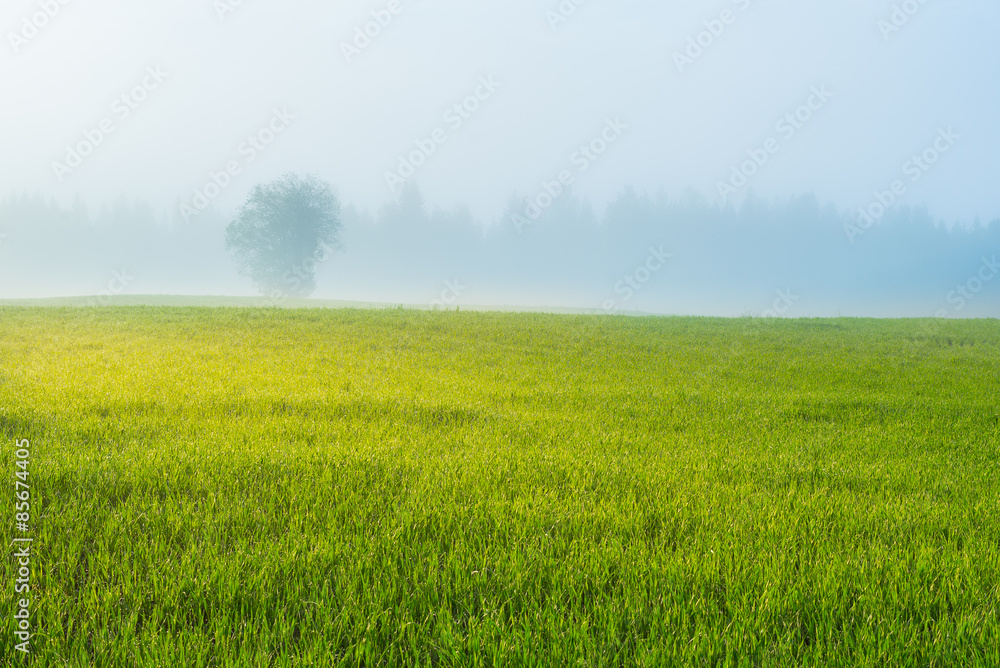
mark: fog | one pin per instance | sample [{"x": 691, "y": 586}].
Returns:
[{"x": 726, "y": 158}]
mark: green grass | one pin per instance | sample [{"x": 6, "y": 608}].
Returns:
[{"x": 241, "y": 487}]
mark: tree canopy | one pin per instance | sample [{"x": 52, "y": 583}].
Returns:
[{"x": 283, "y": 231}]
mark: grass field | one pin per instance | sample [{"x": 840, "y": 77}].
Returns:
[{"x": 244, "y": 487}]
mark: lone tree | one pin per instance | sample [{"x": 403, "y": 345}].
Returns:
[{"x": 283, "y": 230}]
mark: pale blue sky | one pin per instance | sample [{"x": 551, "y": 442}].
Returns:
[{"x": 557, "y": 87}]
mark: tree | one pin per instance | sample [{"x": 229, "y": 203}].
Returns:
[{"x": 283, "y": 231}]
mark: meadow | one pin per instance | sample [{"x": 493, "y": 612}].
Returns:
[{"x": 360, "y": 487}]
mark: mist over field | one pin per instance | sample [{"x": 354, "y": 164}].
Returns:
[{"x": 728, "y": 158}]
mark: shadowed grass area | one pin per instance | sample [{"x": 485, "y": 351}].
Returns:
[{"x": 230, "y": 487}]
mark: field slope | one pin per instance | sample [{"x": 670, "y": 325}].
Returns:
[{"x": 254, "y": 487}]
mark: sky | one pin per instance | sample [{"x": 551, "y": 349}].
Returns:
[
  {"x": 847, "y": 100},
  {"x": 226, "y": 68}
]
